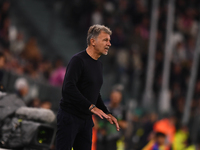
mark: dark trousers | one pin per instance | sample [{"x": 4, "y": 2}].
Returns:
[{"x": 73, "y": 131}]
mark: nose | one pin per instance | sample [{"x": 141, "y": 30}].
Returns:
[{"x": 109, "y": 44}]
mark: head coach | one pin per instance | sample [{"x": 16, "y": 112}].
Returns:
[{"x": 81, "y": 93}]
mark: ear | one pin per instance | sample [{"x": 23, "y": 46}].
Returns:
[{"x": 92, "y": 41}]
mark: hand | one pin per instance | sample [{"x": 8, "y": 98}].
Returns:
[
  {"x": 112, "y": 120},
  {"x": 99, "y": 113}
]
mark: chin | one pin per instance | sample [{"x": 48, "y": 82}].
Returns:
[{"x": 105, "y": 53}]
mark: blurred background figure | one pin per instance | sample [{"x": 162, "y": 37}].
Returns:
[
  {"x": 45, "y": 105},
  {"x": 182, "y": 140},
  {"x": 31, "y": 51},
  {"x": 35, "y": 103},
  {"x": 166, "y": 126},
  {"x": 17, "y": 45},
  {"x": 22, "y": 87},
  {"x": 158, "y": 143},
  {"x": 57, "y": 75},
  {"x": 108, "y": 136}
]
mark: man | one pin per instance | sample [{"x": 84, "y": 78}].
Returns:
[
  {"x": 108, "y": 135},
  {"x": 22, "y": 87},
  {"x": 80, "y": 93},
  {"x": 158, "y": 143}
]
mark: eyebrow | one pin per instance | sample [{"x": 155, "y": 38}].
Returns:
[{"x": 107, "y": 38}]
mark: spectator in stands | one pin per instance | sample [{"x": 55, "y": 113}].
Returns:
[
  {"x": 45, "y": 68},
  {"x": 31, "y": 51},
  {"x": 22, "y": 87},
  {"x": 4, "y": 36},
  {"x": 4, "y": 11},
  {"x": 13, "y": 63},
  {"x": 136, "y": 38},
  {"x": 122, "y": 58},
  {"x": 118, "y": 37},
  {"x": 17, "y": 46},
  {"x": 58, "y": 73},
  {"x": 46, "y": 105},
  {"x": 4, "y": 23},
  {"x": 179, "y": 55},
  {"x": 35, "y": 103},
  {"x": 186, "y": 22},
  {"x": 31, "y": 68},
  {"x": 97, "y": 17}
]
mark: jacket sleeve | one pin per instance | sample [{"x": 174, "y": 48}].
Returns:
[
  {"x": 100, "y": 104},
  {"x": 70, "y": 91}
]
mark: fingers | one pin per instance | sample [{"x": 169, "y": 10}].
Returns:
[
  {"x": 105, "y": 116},
  {"x": 116, "y": 123},
  {"x": 100, "y": 113},
  {"x": 110, "y": 120},
  {"x": 117, "y": 126}
]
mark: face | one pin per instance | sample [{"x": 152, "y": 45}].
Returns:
[
  {"x": 46, "y": 105},
  {"x": 102, "y": 43},
  {"x": 24, "y": 91},
  {"x": 115, "y": 97},
  {"x": 161, "y": 140}
]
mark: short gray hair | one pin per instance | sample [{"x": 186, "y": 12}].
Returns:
[{"x": 95, "y": 30}]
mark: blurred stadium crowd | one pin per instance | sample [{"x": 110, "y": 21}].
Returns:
[
  {"x": 126, "y": 62},
  {"x": 23, "y": 54}
]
